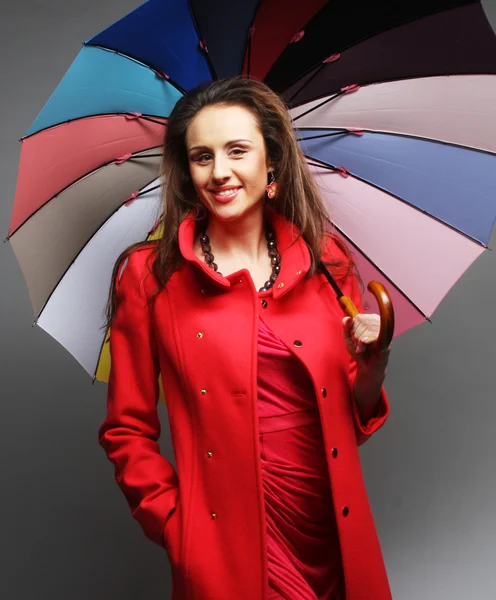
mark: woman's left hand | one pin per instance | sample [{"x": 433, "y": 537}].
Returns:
[{"x": 359, "y": 333}]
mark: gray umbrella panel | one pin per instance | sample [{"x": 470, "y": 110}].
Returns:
[{"x": 50, "y": 240}]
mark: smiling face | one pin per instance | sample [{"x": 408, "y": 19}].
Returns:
[{"x": 227, "y": 161}]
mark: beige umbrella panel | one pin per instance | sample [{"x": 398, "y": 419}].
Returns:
[{"x": 51, "y": 239}]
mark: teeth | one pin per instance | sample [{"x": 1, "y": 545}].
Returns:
[{"x": 226, "y": 193}]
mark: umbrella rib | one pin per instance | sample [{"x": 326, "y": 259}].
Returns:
[
  {"x": 407, "y": 298},
  {"x": 329, "y": 167},
  {"x": 139, "y": 61},
  {"x": 86, "y": 244},
  {"x": 248, "y": 43},
  {"x": 148, "y": 190},
  {"x": 145, "y": 156},
  {"x": 247, "y": 52},
  {"x": 307, "y": 82},
  {"x": 145, "y": 118},
  {"x": 132, "y": 157},
  {"x": 310, "y": 110},
  {"x": 200, "y": 40},
  {"x": 323, "y": 135},
  {"x": 380, "y": 81},
  {"x": 395, "y": 134},
  {"x": 97, "y": 115}
]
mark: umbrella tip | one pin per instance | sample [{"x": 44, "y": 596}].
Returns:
[
  {"x": 34, "y": 323},
  {"x": 6, "y": 239}
]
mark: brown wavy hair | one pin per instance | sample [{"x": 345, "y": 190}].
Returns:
[{"x": 298, "y": 198}]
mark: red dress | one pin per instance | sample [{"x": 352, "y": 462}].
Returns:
[{"x": 304, "y": 560}]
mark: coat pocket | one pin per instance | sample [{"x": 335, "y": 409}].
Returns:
[{"x": 171, "y": 537}]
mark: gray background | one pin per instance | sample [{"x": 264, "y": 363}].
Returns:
[{"x": 66, "y": 530}]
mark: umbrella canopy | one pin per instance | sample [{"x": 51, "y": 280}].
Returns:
[{"x": 400, "y": 137}]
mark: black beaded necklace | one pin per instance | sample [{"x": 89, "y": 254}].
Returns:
[{"x": 275, "y": 259}]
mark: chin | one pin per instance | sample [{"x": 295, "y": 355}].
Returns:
[{"x": 232, "y": 212}]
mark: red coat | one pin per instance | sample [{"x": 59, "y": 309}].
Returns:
[{"x": 201, "y": 335}]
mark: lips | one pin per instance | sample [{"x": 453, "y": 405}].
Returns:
[{"x": 224, "y": 198}]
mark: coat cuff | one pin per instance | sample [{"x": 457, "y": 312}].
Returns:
[{"x": 365, "y": 430}]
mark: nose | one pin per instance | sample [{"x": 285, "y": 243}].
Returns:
[{"x": 221, "y": 169}]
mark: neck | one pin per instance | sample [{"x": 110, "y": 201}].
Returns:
[{"x": 243, "y": 238}]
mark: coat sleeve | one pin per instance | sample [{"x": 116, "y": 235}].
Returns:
[
  {"x": 364, "y": 430},
  {"x": 130, "y": 432}
]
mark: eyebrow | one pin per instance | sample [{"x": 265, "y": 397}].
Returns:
[{"x": 227, "y": 144}]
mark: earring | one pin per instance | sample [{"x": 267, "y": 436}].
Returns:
[{"x": 272, "y": 187}]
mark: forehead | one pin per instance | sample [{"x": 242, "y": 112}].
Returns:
[{"x": 214, "y": 125}]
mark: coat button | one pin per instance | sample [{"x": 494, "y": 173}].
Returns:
[
  {"x": 203, "y": 392},
  {"x": 264, "y": 303},
  {"x": 346, "y": 511},
  {"x": 298, "y": 272},
  {"x": 281, "y": 285},
  {"x": 200, "y": 334},
  {"x": 214, "y": 515},
  {"x": 209, "y": 454},
  {"x": 298, "y": 343},
  {"x": 324, "y": 393},
  {"x": 203, "y": 292},
  {"x": 334, "y": 452}
]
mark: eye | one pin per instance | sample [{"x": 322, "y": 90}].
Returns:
[
  {"x": 238, "y": 151},
  {"x": 202, "y": 158}
]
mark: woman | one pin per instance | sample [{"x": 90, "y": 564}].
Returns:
[{"x": 267, "y": 399}]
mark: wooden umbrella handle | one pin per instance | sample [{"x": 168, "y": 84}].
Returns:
[{"x": 386, "y": 312}]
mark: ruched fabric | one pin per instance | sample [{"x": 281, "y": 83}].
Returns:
[{"x": 304, "y": 561}]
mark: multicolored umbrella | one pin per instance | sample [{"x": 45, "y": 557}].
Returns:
[{"x": 395, "y": 107}]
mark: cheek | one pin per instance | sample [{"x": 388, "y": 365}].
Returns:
[
  {"x": 199, "y": 177},
  {"x": 257, "y": 176}
]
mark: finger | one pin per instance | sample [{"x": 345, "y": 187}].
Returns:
[
  {"x": 349, "y": 340},
  {"x": 361, "y": 347},
  {"x": 348, "y": 328},
  {"x": 360, "y": 326},
  {"x": 369, "y": 337},
  {"x": 348, "y": 322},
  {"x": 354, "y": 333},
  {"x": 360, "y": 331},
  {"x": 365, "y": 335}
]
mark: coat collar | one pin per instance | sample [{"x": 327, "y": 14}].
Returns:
[{"x": 295, "y": 256}]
